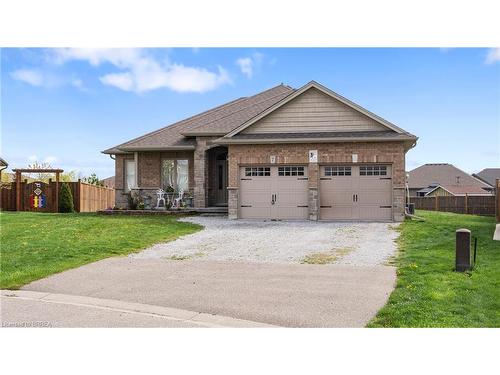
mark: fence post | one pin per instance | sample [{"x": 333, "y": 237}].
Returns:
[
  {"x": 436, "y": 205},
  {"x": 497, "y": 200},
  {"x": 18, "y": 191},
  {"x": 466, "y": 203}
]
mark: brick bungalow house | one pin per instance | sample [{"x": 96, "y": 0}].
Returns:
[{"x": 284, "y": 153}]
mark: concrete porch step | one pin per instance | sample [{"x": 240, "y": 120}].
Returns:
[{"x": 211, "y": 210}]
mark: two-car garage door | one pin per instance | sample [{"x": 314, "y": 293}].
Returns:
[{"x": 346, "y": 192}]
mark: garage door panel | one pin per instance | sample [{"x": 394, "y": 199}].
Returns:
[
  {"x": 374, "y": 212},
  {"x": 374, "y": 197},
  {"x": 255, "y": 212},
  {"x": 374, "y": 183},
  {"x": 256, "y": 193},
  {"x": 291, "y": 196},
  {"x": 334, "y": 197},
  {"x": 292, "y": 213},
  {"x": 337, "y": 213},
  {"x": 256, "y": 190},
  {"x": 371, "y": 191}
]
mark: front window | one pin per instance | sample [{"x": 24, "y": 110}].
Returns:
[
  {"x": 175, "y": 174},
  {"x": 129, "y": 174}
]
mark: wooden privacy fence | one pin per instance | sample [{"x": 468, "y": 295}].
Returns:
[
  {"x": 94, "y": 198},
  {"x": 473, "y": 205},
  {"x": 86, "y": 197},
  {"x": 498, "y": 200}
]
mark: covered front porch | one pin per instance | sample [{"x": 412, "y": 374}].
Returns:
[{"x": 195, "y": 178}]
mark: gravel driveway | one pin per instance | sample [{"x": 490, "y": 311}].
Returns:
[{"x": 364, "y": 244}]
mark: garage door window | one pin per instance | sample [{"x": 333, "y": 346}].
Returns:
[
  {"x": 373, "y": 170},
  {"x": 338, "y": 170},
  {"x": 257, "y": 171},
  {"x": 291, "y": 171}
]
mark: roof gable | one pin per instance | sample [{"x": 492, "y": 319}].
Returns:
[
  {"x": 460, "y": 190},
  {"x": 311, "y": 101}
]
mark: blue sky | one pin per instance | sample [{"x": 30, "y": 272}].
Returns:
[{"x": 64, "y": 106}]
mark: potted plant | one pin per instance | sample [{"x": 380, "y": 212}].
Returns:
[
  {"x": 188, "y": 199},
  {"x": 169, "y": 192}
]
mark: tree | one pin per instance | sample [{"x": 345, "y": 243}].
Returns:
[
  {"x": 40, "y": 176},
  {"x": 66, "y": 199},
  {"x": 68, "y": 176},
  {"x": 93, "y": 180}
]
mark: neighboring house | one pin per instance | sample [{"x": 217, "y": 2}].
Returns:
[
  {"x": 284, "y": 153},
  {"x": 489, "y": 175},
  {"x": 453, "y": 190},
  {"x": 425, "y": 178},
  {"x": 109, "y": 182}
]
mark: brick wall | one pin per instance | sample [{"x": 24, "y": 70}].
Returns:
[
  {"x": 374, "y": 152},
  {"x": 149, "y": 172}
]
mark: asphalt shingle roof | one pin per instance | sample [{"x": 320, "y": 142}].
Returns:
[
  {"x": 217, "y": 121},
  {"x": 489, "y": 175},
  {"x": 442, "y": 174},
  {"x": 462, "y": 190}
]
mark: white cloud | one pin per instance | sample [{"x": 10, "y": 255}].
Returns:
[
  {"x": 123, "y": 81},
  {"x": 140, "y": 72},
  {"x": 493, "y": 56},
  {"x": 246, "y": 66},
  {"x": 249, "y": 64},
  {"x": 32, "y": 77},
  {"x": 44, "y": 78},
  {"x": 32, "y": 158},
  {"x": 121, "y": 57},
  {"x": 184, "y": 79}
]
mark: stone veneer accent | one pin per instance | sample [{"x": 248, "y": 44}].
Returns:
[
  {"x": 368, "y": 152},
  {"x": 232, "y": 203}
]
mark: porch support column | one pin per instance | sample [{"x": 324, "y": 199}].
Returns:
[
  {"x": 18, "y": 190},
  {"x": 136, "y": 166},
  {"x": 233, "y": 170},
  {"x": 200, "y": 173}
]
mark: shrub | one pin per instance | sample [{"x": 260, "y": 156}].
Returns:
[{"x": 66, "y": 199}]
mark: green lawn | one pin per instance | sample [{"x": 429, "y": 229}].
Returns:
[
  {"x": 428, "y": 292},
  {"x": 35, "y": 245}
]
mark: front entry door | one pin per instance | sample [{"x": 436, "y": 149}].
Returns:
[{"x": 221, "y": 183}]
